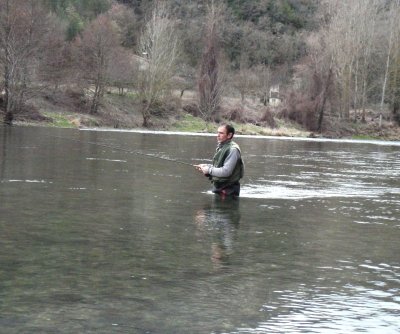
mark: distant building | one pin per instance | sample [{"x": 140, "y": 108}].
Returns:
[{"x": 274, "y": 98}]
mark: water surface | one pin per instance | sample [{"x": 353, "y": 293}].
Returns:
[{"x": 101, "y": 240}]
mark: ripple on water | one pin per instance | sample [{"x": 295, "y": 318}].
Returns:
[
  {"x": 109, "y": 160},
  {"x": 283, "y": 191},
  {"x": 25, "y": 181},
  {"x": 372, "y": 307}
]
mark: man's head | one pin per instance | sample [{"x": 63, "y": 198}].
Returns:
[{"x": 225, "y": 132}]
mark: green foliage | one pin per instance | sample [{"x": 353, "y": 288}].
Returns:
[
  {"x": 91, "y": 8},
  {"x": 364, "y": 137},
  {"x": 289, "y": 15},
  {"x": 86, "y": 8},
  {"x": 75, "y": 26},
  {"x": 285, "y": 13},
  {"x": 266, "y": 31},
  {"x": 253, "y": 28},
  {"x": 189, "y": 123},
  {"x": 58, "y": 120},
  {"x": 58, "y": 6},
  {"x": 240, "y": 8},
  {"x": 77, "y": 12}
]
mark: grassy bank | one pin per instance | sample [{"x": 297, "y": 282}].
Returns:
[
  {"x": 122, "y": 112},
  {"x": 184, "y": 123}
]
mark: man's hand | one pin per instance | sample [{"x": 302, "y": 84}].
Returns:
[{"x": 203, "y": 168}]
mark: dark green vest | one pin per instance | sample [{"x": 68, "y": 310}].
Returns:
[{"x": 218, "y": 161}]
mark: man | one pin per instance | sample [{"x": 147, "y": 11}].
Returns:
[{"x": 227, "y": 167}]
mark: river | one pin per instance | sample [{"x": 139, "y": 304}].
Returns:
[{"x": 100, "y": 235}]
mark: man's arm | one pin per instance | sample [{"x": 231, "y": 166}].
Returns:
[{"x": 229, "y": 165}]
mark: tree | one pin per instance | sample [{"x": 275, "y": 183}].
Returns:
[
  {"x": 391, "y": 78},
  {"x": 264, "y": 77},
  {"x": 24, "y": 28},
  {"x": 56, "y": 65},
  {"x": 350, "y": 40},
  {"x": 123, "y": 70},
  {"x": 77, "y": 13},
  {"x": 367, "y": 23},
  {"x": 245, "y": 81},
  {"x": 159, "y": 45},
  {"x": 127, "y": 24},
  {"x": 394, "y": 87},
  {"x": 98, "y": 44},
  {"x": 210, "y": 83}
]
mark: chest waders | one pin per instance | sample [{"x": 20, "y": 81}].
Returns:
[{"x": 227, "y": 185}]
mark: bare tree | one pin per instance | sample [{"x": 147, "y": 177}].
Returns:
[
  {"x": 245, "y": 80},
  {"x": 321, "y": 66},
  {"x": 392, "y": 59},
  {"x": 159, "y": 46},
  {"x": 350, "y": 39},
  {"x": 55, "y": 68},
  {"x": 264, "y": 78},
  {"x": 210, "y": 83},
  {"x": 98, "y": 44},
  {"x": 127, "y": 24},
  {"x": 340, "y": 41},
  {"x": 394, "y": 86},
  {"x": 364, "y": 39},
  {"x": 23, "y": 31},
  {"x": 122, "y": 71}
]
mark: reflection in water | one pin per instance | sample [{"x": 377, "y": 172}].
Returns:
[{"x": 221, "y": 218}]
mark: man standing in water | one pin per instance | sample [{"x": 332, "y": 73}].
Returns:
[{"x": 227, "y": 167}]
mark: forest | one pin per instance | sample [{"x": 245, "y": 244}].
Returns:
[{"x": 328, "y": 66}]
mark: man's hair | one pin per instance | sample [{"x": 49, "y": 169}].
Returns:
[{"x": 229, "y": 128}]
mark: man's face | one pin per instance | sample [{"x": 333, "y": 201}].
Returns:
[{"x": 222, "y": 134}]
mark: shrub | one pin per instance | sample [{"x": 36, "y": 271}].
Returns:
[
  {"x": 301, "y": 110},
  {"x": 236, "y": 115},
  {"x": 268, "y": 118},
  {"x": 192, "y": 109}
]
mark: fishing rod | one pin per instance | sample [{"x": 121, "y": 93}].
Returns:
[{"x": 126, "y": 150}]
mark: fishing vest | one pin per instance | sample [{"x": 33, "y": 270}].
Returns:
[{"x": 218, "y": 161}]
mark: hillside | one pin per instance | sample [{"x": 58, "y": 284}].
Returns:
[{"x": 333, "y": 67}]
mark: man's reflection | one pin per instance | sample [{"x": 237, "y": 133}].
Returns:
[{"x": 219, "y": 219}]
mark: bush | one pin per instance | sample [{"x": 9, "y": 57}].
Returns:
[
  {"x": 236, "y": 115},
  {"x": 301, "y": 110},
  {"x": 165, "y": 107},
  {"x": 30, "y": 113},
  {"x": 192, "y": 109},
  {"x": 268, "y": 118}
]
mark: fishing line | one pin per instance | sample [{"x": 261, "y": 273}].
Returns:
[{"x": 126, "y": 150}]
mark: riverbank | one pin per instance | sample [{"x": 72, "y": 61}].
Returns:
[{"x": 121, "y": 112}]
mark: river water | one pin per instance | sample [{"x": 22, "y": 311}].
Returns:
[{"x": 96, "y": 239}]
